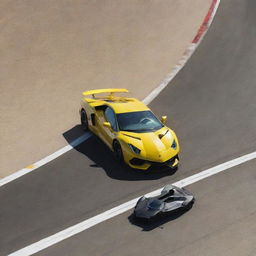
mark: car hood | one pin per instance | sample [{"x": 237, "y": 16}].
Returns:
[{"x": 155, "y": 146}]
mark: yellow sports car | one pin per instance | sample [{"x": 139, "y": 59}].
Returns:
[{"x": 130, "y": 129}]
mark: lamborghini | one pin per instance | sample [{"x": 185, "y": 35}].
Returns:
[{"x": 130, "y": 129}]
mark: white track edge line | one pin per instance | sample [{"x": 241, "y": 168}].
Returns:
[
  {"x": 188, "y": 53},
  {"x": 45, "y": 160},
  {"x": 86, "y": 224},
  {"x": 186, "y": 56}
]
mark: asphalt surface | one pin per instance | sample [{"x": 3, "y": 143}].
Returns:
[
  {"x": 221, "y": 222},
  {"x": 211, "y": 105}
]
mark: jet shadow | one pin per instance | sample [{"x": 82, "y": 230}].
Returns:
[{"x": 103, "y": 158}]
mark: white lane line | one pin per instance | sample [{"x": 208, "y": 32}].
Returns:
[
  {"x": 187, "y": 54},
  {"x": 45, "y": 160},
  {"x": 86, "y": 224}
]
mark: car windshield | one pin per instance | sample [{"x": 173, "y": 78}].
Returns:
[
  {"x": 141, "y": 121},
  {"x": 155, "y": 205}
]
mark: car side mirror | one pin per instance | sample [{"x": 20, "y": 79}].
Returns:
[
  {"x": 163, "y": 119},
  {"x": 107, "y": 124}
]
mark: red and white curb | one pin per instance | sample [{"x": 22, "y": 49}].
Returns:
[{"x": 187, "y": 54}]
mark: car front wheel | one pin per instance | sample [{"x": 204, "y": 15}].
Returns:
[{"x": 118, "y": 151}]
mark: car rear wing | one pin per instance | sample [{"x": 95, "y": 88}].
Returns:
[{"x": 110, "y": 91}]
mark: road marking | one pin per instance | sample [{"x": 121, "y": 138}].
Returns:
[
  {"x": 45, "y": 160},
  {"x": 30, "y": 166},
  {"x": 187, "y": 54},
  {"x": 86, "y": 224},
  {"x": 207, "y": 21}
]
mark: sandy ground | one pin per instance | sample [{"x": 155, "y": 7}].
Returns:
[{"x": 51, "y": 51}]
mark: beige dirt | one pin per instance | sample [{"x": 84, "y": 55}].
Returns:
[{"x": 51, "y": 51}]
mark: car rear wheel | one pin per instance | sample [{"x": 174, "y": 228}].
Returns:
[
  {"x": 84, "y": 120},
  {"x": 118, "y": 151}
]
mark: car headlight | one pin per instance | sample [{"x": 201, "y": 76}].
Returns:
[
  {"x": 134, "y": 149},
  {"x": 174, "y": 144}
]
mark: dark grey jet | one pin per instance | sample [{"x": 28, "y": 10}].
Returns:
[{"x": 171, "y": 199}]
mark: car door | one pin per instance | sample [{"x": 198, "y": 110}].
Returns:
[{"x": 108, "y": 134}]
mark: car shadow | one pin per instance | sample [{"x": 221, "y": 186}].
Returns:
[
  {"x": 103, "y": 158},
  {"x": 146, "y": 225}
]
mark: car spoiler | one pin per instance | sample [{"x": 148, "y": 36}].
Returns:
[{"x": 110, "y": 91}]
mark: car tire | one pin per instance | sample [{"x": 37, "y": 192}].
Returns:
[
  {"x": 84, "y": 120},
  {"x": 174, "y": 169},
  {"x": 118, "y": 151},
  {"x": 189, "y": 206}
]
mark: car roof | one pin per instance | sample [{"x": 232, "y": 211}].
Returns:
[{"x": 127, "y": 105}]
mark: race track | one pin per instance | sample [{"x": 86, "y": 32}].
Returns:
[{"x": 211, "y": 105}]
